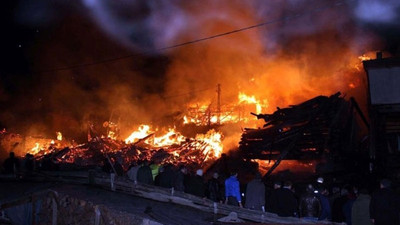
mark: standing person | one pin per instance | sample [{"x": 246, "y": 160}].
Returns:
[
  {"x": 144, "y": 174},
  {"x": 159, "y": 175},
  {"x": 232, "y": 191},
  {"x": 360, "y": 210},
  {"x": 179, "y": 181},
  {"x": 118, "y": 167},
  {"x": 11, "y": 164},
  {"x": 133, "y": 170},
  {"x": 272, "y": 199},
  {"x": 255, "y": 193},
  {"x": 196, "y": 184},
  {"x": 214, "y": 188},
  {"x": 106, "y": 166},
  {"x": 384, "y": 207},
  {"x": 326, "y": 212},
  {"x": 349, "y": 205},
  {"x": 339, "y": 202},
  {"x": 285, "y": 201},
  {"x": 28, "y": 163},
  {"x": 166, "y": 178},
  {"x": 155, "y": 168},
  {"x": 310, "y": 205}
]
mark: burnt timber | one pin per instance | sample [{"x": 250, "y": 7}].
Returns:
[{"x": 322, "y": 125}]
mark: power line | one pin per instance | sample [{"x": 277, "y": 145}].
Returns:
[{"x": 286, "y": 18}]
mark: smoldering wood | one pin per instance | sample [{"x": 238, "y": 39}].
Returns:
[
  {"x": 95, "y": 152},
  {"x": 320, "y": 123}
]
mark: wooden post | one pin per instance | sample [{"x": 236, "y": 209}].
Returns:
[
  {"x": 54, "y": 206},
  {"x": 33, "y": 210},
  {"x": 112, "y": 179},
  {"x": 97, "y": 215}
]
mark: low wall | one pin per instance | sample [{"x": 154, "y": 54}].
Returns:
[{"x": 55, "y": 208}]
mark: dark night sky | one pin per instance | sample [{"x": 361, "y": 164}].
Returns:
[{"x": 38, "y": 38}]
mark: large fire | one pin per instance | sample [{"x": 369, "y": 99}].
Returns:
[
  {"x": 167, "y": 144},
  {"x": 283, "y": 62},
  {"x": 150, "y": 142}
]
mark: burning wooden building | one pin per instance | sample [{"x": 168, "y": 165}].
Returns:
[{"x": 320, "y": 127}]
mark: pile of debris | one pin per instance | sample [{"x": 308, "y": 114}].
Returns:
[
  {"x": 99, "y": 150},
  {"x": 303, "y": 131}
]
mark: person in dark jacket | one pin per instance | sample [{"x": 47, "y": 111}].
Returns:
[
  {"x": 326, "y": 212},
  {"x": 360, "y": 210},
  {"x": 310, "y": 205},
  {"x": 29, "y": 163},
  {"x": 107, "y": 168},
  {"x": 144, "y": 174},
  {"x": 118, "y": 167},
  {"x": 160, "y": 174},
  {"x": 11, "y": 164},
  {"x": 179, "y": 181},
  {"x": 195, "y": 185},
  {"x": 214, "y": 188},
  {"x": 285, "y": 203},
  {"x": 272, "y": 198},
  {"x": 347, "y": 208},
  {"x": 255, "y": 194},
  {"x": 339, "y": 202},
  {"x": 165, "y": 178},
  {"x": 384, "y": 207}
]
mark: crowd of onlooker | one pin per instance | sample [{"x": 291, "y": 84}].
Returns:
[
  {"x": 352, "y": 204},
  {"x": 318, "y": 200}
]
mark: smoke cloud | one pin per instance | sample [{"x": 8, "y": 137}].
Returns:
[{"x": 374, "y": 11}]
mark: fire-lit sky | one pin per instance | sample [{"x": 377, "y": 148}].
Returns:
[{"x": 69, "y": 62}]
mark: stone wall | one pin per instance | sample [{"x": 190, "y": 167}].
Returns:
[{"x": 77, "y": 211}]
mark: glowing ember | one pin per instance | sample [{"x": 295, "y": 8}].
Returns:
[
  {"x": 351, "y": 85},
  {"x": 298, "y": 166}
]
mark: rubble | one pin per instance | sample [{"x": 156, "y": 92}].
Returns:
[{"x": 310, "y": 130}]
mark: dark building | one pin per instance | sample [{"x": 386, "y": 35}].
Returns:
[{"x": 383, "y": 76}]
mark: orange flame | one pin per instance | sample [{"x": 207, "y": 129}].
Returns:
[
  {"x": 210, "y": 143},
  {"x": 59, "y": 136},
  {"x": 214, "y": 141},
  {"x": 170, "y": 138},
  {"x": 243, "y": 98},
  {"x": 35, "y": 150},
  {"x": 142, "y": 132}
]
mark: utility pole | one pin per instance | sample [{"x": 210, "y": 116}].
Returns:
[{"x": 218, "y": 103}]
